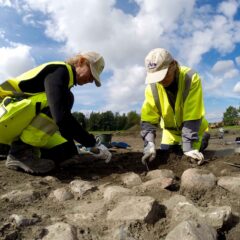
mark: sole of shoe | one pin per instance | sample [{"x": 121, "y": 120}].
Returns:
[{"x": 17, "y": 165}]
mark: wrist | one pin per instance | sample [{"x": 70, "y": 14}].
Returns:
[
  {"x": 94, "y": 150},
  {"x": 187, "y": 146}
]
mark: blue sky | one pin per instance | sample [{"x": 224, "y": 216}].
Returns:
[{"x": 204, "y": 35}]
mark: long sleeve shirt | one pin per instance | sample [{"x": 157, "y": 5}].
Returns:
[{"x": 60, "y": 100}]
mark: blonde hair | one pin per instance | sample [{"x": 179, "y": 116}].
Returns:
[{"x": 74, "y": 61}]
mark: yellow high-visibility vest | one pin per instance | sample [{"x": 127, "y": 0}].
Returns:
[
  {"x": 189, "y": 103},
  {"x": 18, "y": 112}
]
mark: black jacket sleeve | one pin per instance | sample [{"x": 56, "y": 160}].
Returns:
[{"x": 60, "y": 100}]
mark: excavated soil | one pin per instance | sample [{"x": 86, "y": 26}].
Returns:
[{"x": 48, "y": 211}]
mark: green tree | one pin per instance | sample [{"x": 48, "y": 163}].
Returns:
[
  {"x": 94, "y": 122},
  {"x": 120, "y": 121},
  {"x": 132, "y": 119},
  {"x": 107, "y": 121},
  {"x": 80, "y": 117},
  {"x": 230, "y": 117}
]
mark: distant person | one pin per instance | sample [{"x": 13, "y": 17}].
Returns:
[
  {"x": 35, "y": 114},
  {"x": 173, "y": 99},
  {"x": 221, "y": 133}
]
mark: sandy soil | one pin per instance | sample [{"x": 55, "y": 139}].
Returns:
[{"x": 44, "y": 208}]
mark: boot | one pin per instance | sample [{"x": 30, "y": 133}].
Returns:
[
  {"x": 25, "y": 157},
  {"x": 4, "y": 151}
]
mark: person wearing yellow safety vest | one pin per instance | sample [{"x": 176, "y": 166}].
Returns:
[
  {"x": 173, "y": 99},
  {"x": 35, "y": 114}
]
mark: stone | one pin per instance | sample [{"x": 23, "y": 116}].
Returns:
[
  {"x": 131, "y": 179},
  {"x": 160, "y": 173},
  {"x": 174, "y": 200},
  {"x": 134, "y": 208},
  {"x": 218, "y": 216},
  {"x": 157, "y": 183},
  {"x": 84, "y": 212},
  {"x": 81, "y": 187},
  {"x": 197, "y": 180},
  {"x": 62, "y": 194},
  {"x": 213, "y": 216},
  {"x": 113, "y": 193},
  {"x": 61, "y": 231},
  {"x": 51, "y": 179},
  {"x": 21, "y": 196},
  {"x": 231, "y": 184},
  {"x": 22, "y": 221},
  {"x": 191, "y": 230}
]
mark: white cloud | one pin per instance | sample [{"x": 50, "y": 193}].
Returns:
[
  {"x": 237, "y": 59},
  {"x": 6, "y": 3},
  {"x": 226, "y": 69},
  {"x": 236, "y": 88},
  {"x": 14, "y": 61},
  {"x": 125, "y": 89},
  {"x": 214, "y": 116},
  {"x": 184, "y": 28},
  {"x": 228, "y": 8},
  {"x": 222, "y": 66},
  {"x": 28, "y": 19},
  {"x": 232, "y": 73},
  {"x": 2, "y": 34},
  {"x": 125, "y": 39},
  {"x": 212, "y": 83}
]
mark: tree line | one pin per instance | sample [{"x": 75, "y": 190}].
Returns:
[
  {"x": 107, "y": 121},
  {"x": 232, "y": 116}
]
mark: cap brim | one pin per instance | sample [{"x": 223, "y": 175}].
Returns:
[
  {"x": 95, "y": 76},
  {"x": 97, "y": 83},
  {"x": 156, "y": 76}
]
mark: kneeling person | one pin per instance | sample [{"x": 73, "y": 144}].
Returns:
[
  {"x": 173, "y": 98},
  {"x": 35, "y": 114}
]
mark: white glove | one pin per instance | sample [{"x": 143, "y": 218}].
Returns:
[
  {"x": 103, "y": 153},
  {"x": 195, "y": 154},
  {"x": 149, "y": 152}
]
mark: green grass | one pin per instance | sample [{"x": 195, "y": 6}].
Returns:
[{"x": 235, "y": 127}]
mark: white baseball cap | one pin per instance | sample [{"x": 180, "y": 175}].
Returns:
[
  {"x": 156, "y": 63},
  {"x": 97, "y": 64}
]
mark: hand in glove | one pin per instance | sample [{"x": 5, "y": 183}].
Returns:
[
  {"x": 101, "y": 152},
  {"x": 149, "y": 152},
  {"x": 195, "y": 154}
]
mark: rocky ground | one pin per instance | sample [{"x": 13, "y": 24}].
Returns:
[{"x": 175, "y": 199}]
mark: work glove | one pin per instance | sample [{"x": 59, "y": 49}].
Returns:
[
  {"x": 149, "y": 152},
  {"x": 101, "y": 152},
  {"x": 196, "y": 155}
]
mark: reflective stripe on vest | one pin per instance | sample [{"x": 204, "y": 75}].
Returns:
[
  {"x": 44, "y": 123},
  {"x": 39, "y": 131},
  {"x": 6, "y": 89},
  {"x": 156, "y": 97},
  {"x": 188, "y": 81}
]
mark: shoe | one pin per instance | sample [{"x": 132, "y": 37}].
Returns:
[
  {"x": 4, "y": 149},
  {"x": 30, "y": 164}
]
